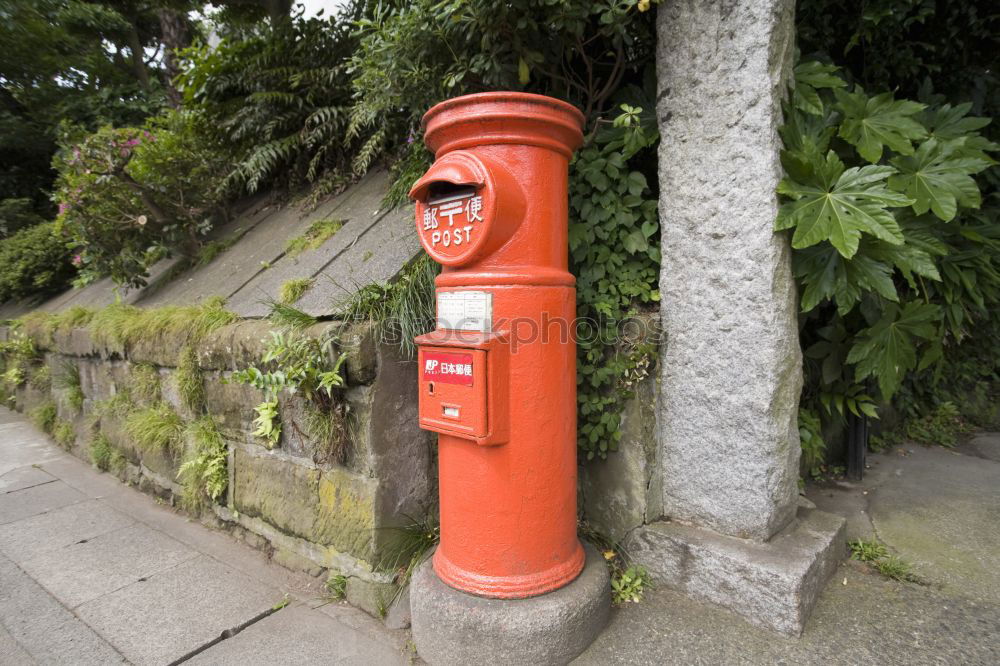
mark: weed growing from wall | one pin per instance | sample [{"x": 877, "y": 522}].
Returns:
[
  {"x": 67, "y": 378},
  {"x": 64, "y": 434},
  {"x": 144, "y": 383},
  {"x": 41, "y": 379},
  {"x": 156, "y": 428},
  {"x": 203, "y": 473},
  {"x": 189, "y": 381},
  {"x": 398, "y": 311},
  {"x": 44, "y": 416},
  {"x": 293, "y": 363},
  {"x": 121, "y": 325}
]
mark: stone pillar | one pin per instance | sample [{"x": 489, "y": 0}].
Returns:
[{"x": 732, "y": 369}]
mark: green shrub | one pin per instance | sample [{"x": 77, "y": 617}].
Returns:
[
  {"x": 897, "y": 262},
  {"x": 155, "y": 428},
  {"x": 129, "y": 196},
  {"x": 279, "y": 100},
  {"x": 41, "y": 379},
  {"x": 34, "y": 261}
]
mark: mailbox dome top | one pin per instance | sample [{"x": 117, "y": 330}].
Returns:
[{"x": 503, "y": 117}]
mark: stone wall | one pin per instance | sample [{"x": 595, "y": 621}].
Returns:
[{"x": 324, "y": 517}]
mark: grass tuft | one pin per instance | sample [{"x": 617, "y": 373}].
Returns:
[
  {"x": 67, "y": 378},
  {"x": 121, "y": 325},
  {"x": 144, "y": 383},
  {"x": 327, "y": 432},
  {"x": 41, "y": 379},
  {"x": 64, "y": 434},
  {"x": 44, "y": 416},
  {"x": 155, "y": 428},
  {"x": 289, "y": 316},
  {"x": 318, "y": 233},
  {"x": 292, "y": 290},
  {"x": 867, "y": 551},
  {"x": 189, "y": 381},
  {"x": 400, "y": 310},
  {"x": 105, "y": 456}
]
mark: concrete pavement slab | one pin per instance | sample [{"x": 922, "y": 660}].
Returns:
[
  {"x": 92, "y": 568},
  {"x": 23, "y": 477},
  {"x": 177, "y": 611},
  {"x": 37, "y": 499},
  {"x": 11, "y": 651},
  {"x": 938, "y": 510},
  {"x": 298, "y": 635},
  {"x": 43, "y": 627},
  {"x": 22, "y": 445},
  {"x": 983, "y": 445},
  {"x": 868, "y": 620},
  {"x": 59, "y": 528}
]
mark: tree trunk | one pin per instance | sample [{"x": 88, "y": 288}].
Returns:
[
  {"x": 138, "y": 62},
  {"x": 174, "y": 36}
]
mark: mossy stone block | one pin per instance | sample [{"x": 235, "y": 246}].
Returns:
[
  {"x": 346, "y": 517},
  {"x": 278, "y": 491}
]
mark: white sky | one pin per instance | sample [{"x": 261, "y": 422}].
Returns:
[{"x": 313, "y": 6}]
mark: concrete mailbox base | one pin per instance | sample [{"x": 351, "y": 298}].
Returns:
[
  {"x": 451, "y": 627},
  {"x": 772, "y": 584}
]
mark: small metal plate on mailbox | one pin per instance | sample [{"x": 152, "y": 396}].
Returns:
[
  {"x": 465, "y": 310},
  {"x": 448, "y": 368}
]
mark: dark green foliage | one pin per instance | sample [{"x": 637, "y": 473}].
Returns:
[
  {"x": 280, "y": 98},
  {"x": 35, "y": 260},
  {"x": 897, "y": 254},
  {"x": 904, "y": 44}
]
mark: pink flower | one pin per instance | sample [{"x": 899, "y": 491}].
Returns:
[
  {"x": 77, "y": 260},
  {"x": 63, "y": 207}
]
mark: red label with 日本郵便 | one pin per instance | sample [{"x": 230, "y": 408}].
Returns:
[{"x": 448, "y": 368}]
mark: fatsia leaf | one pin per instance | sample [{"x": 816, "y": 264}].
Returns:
[
  {"x": 949, "y": 122},
  {"x": 937, "y": 179},
  {"x": 872, "y": 123},
  {"x": 809, "y": 77},
  {"x": 888, "y": 350},
  {"x": 838, "y": 206},
  {"x": 826, "y": 275}
]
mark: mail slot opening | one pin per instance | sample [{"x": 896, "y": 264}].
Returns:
[
  {"x": 442, "y": 192},
  {"x": 451, "y": 412},
  {"x": 430, "y": 387}
]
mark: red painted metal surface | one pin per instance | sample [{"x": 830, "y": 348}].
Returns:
[{"x": 493, "y": 211}]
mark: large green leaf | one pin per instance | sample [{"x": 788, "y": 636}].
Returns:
[
  {"x": 888, "y": 350},
  {"x": 872, "y": 123},
  {"x": 809, "y": 78},
  {"x": 826, "y": 275},
  {"x": 838, "y": 206},
  {"x": 938, "y": 178}
]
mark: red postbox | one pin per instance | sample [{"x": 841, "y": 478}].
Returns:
[{"x": 498, "y": 375}]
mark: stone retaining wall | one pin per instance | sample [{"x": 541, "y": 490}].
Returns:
[{"x": 318, "y": 516}]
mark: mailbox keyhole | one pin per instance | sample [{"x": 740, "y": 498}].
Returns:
[{"x": 430, "y": 388}]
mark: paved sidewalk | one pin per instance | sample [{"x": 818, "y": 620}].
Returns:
[
  {"x": 936, "y": 508},
  {"x": 95, "y": 572}
]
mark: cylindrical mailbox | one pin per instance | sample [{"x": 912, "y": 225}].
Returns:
[{"x": 498, "y": 375}]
